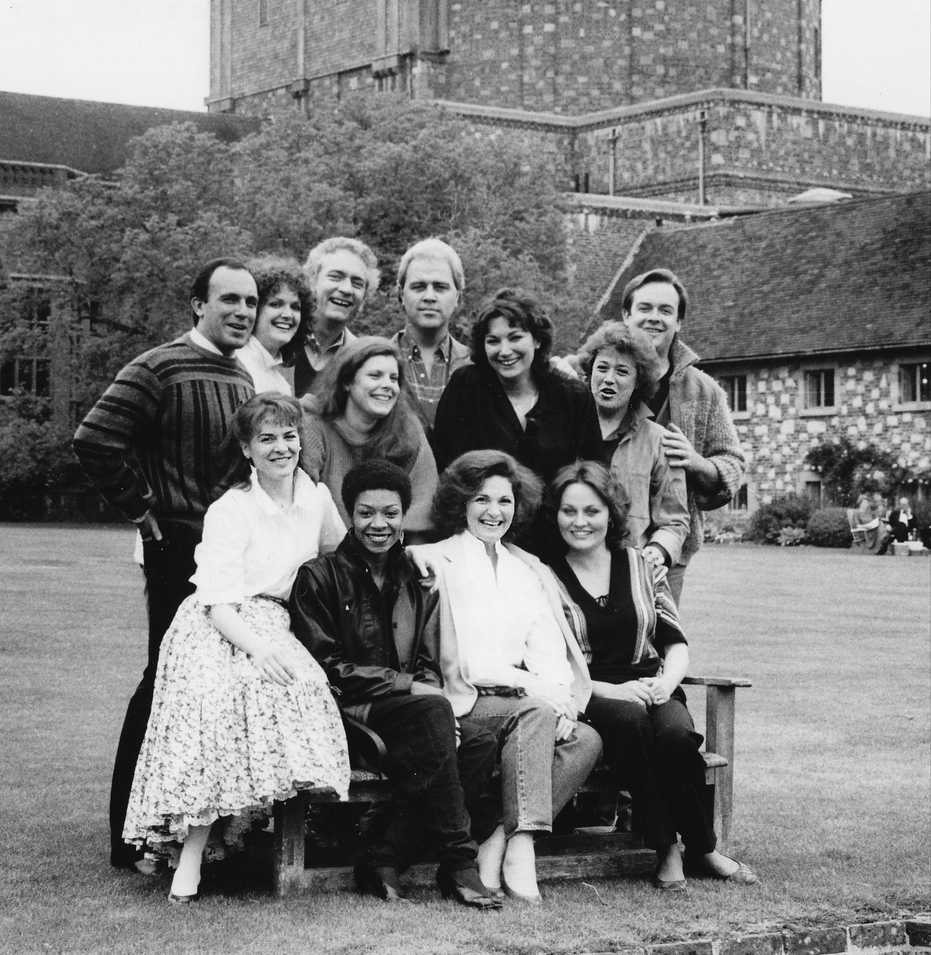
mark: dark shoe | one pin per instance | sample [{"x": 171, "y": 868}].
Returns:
[
  {"x": 466, "y": 888},
  {"x": 125, "y": 857},
  {"x": 379, "y": 880}
]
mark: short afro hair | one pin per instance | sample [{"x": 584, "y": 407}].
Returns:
[{"x": 375, "y": 475}]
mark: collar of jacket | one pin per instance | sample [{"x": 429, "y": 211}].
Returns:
[
  {"x": 681, "y": 356},
  {"x": 398, "y": 568}
]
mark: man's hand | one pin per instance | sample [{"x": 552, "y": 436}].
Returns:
[
  {"x": 680, "y": 453},
  {"x": 419, "y": 688}
]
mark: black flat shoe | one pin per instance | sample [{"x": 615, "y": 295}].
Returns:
[
  {"x": 466, "y": 888},
  {"x": 182, "y": 899},
  {"x": 379, "y": 880}
]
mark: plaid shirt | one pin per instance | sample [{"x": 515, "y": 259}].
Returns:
[{"x": 426, "y": 387}]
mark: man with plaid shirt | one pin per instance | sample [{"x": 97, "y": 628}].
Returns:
[{"x": 430, "y": 284}]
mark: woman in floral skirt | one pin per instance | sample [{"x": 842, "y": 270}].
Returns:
[{"x": 242, "y": 714}]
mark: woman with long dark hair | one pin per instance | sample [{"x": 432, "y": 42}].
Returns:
[
  {"x": 242, "y": 715},
  {"x": 639, "y": 656}
]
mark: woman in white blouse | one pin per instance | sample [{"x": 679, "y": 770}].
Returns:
[
  {"x": 284, "y": 308},
  {"x": 242, "y": 715},
  {"x": 510, "y": 661}
]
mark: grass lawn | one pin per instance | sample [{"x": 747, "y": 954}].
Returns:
[{"x": 832, "y": 788}]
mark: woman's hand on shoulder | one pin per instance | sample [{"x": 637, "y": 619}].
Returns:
[{"x": 426, "y": 563}]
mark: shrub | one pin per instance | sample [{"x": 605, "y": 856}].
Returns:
[
  {"x": 725, "y": 526},
  {"x": 769, "y": 519},
  {"x": 829, "y": 527}
]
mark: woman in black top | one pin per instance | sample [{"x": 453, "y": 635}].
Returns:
[
  {"x": 509, "y": 399},
  {"x": 639, "y": 657}
]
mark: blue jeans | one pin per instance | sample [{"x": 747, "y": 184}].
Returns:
[{"x": 538, "y": 775}]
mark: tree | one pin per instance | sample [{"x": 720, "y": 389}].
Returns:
[{"x": 847, "y": 470}]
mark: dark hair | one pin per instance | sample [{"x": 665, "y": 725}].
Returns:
[
  {"x": 200, "y": 287},
  {"x": 375, "y": 475},
  {"x": 282, "y": 410},
  {"x": 397, "y": 436},
  {"x": 273, "y": 273},
  {"x": 627, "y": 341},
  {"x": 520, "y": 309},
  {"x": 460, "y": 482},
  {"x": 655, "y": 275},
  {"x": 602, "y": 481}
]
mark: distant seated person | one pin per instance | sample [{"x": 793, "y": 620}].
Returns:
[
  {"x": 866, "y": 525},
  {"x": 364, "y": 615},
  {"x": 902, "y": 523}
]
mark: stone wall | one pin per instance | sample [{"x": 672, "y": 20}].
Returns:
[{"x": 777, "y": 432}]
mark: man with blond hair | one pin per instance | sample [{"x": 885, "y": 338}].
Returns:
[{"x": 430, "y": 286}]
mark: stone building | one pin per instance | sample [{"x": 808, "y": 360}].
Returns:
[
  {"x": 816, "y": 321},
  {"x": 703, "y": 101}
]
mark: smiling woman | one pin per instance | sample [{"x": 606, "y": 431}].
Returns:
[{"x": 365, "y": 416}]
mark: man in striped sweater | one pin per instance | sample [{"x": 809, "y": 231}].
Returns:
[{"x": 150, "y": 445}]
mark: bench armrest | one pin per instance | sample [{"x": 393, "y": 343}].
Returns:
[{"x": 367, "y": 749}]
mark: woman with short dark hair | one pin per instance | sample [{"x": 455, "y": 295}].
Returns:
[
  {"x": 364, "y": 615},
  {"x": 639, "y": 656},
  {"x": 362, "y": 413},
  {"x": 242, "y": 715},
  {"x": 511, "y": 662},
  {"x": 509, "y": 398}
]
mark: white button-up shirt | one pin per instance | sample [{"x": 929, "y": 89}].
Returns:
[
  {"x": 265, "y": 370},
  {"x": 253, "y": 546}
]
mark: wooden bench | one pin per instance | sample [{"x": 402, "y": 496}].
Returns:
[{"x": 582, "y": 854}]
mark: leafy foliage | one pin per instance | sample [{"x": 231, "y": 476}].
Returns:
[
  {"x": 829, "y": 527},
  {"x": 769, "y": 520},
  {"x": 847, "y": 470}
]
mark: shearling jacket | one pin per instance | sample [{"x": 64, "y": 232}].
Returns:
[
  {"x": 371, "y": 643},
  {"x": 697, "y": 405}
]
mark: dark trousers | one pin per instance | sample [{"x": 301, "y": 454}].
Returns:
[
  {"x": 419, "y": 733},
  {"x": 169, "y": 564},
  {"x": 655, "y": 751}
]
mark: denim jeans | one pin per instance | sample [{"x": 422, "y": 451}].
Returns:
[{"x": 538, "y": 775}]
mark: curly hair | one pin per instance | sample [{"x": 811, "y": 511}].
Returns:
[
  {"x": 272, "y": 273},
  {"x": 335, "y": 244},
  {"x": 462, "y": 480},
  {"x": 271, "y": 406},
  {"x": 626, "y": 341},
  {"x": 607, "y": 488},
  {"x": 655, "y": 275},
  {"x": 520, "y": 309},
  {"x": 375, "y": 475}
]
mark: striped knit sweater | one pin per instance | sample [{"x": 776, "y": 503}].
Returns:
[{"x": 151, "y": 440}]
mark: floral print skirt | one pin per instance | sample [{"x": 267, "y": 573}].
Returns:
[{"x": 224, "y": 742}]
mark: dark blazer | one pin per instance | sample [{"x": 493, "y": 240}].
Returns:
[
  {"x": 899, "y": 530},
  {"x": 371, "y": 643},
  {"x": 475, "y": 412}
]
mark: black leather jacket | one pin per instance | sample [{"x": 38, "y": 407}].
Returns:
[{"x": 371, "y": 643}]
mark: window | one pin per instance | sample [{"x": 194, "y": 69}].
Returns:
[
  {"x": 740, "y": 501},
  {"x": 819, "y": 388},
  {"x": 263, "y": 13},
  {"x": 29, "y": 375},
  {"x": 735, "y": 387},
  {"x": 915, "y": 382}
]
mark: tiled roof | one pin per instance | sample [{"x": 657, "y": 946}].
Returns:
[
  {"x": 843, "y": 276},
  {"x": 89, "y": 136}
]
